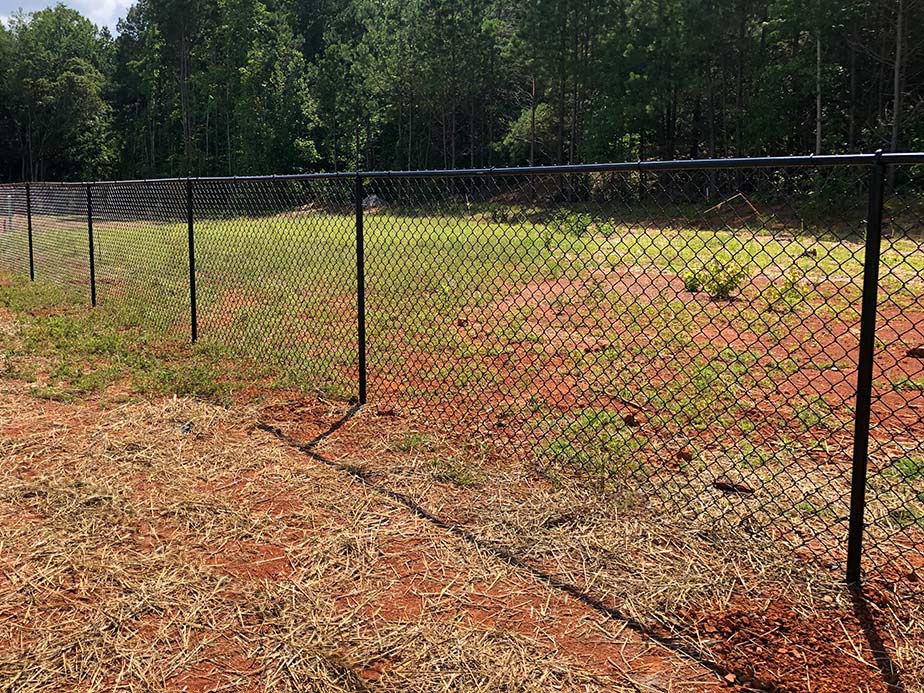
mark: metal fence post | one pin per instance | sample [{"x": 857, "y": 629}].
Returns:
[
  {"x": 92, "y": 253},
  {"x": 865, "y": 370},
  {"x": 194, "y": 321},
  {"x": 29, "y": 228},
  {"x": 360, "y": 288}
]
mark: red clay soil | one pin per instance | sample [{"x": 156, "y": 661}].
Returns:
[
  {"x": 771, "y": 647},
  {"x": 764, "y": 643},
  {"x": 412, "y": 577}
]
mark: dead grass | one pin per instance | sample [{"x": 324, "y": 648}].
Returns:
[
  {"x": 172, "y": 545},
  {"x": 681, "y": 577}
]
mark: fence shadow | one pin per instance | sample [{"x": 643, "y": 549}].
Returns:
[
  {"x": 884, "y": 662},
  {"x": 498, "y": 550}
]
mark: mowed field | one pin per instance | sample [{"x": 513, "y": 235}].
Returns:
[{"x": 570, "y": 392}]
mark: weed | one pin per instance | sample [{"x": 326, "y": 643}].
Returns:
[
  {"x": 907, "y": 516},
  {"x": 909, "y": 384},
  {"x": 413, "y": 442},
  {"x": 693, "y": 282},
  {"x": 908, "y": 468},
  {"x": 454, "y": 471},
  {"x": 598, "y": 444},
  {"x": 789, "y": 294},
  {"x": 813, "y": 412},
  {"x": 719, "y": 279},
  {"x": 188, "y": 379}
]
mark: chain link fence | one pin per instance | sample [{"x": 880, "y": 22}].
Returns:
[{"x": 741, "y": 341}]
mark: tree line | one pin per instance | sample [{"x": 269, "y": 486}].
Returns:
[{"x": 234, "y": 87}]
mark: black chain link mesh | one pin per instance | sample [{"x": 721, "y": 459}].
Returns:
[
  {"x": 14, "y": 234},
  {"x": 60, "y": 236},
  {"x": 894, "y": 542},
  {"x": 276, "y": 263},
  {"x": 686, "y": 340},
  {"x": 141, "y": 251}
]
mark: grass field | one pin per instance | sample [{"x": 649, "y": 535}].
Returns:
[{"x": 571, "y": 387}]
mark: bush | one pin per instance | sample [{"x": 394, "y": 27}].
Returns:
[
  {"x": 574, "y": 223},
  {"x": 719, "y": 279},
  {"x": 693, "y": 282},
  {"x": 789, "y": 294}
]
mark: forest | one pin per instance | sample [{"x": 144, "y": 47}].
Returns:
[{"x": 234, "y": 87}]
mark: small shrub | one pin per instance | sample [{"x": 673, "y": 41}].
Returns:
[
  {"x": 723, "y": 279},
  {"x": 693, "y": 282},
  {"x": 719, "y": 279},
  {"x": 789, "y": 294},
  {"x": 574, "y": 223}
]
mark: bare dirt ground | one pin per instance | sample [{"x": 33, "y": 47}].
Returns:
[
  {"x": 171, "y": 544},
  {"x": 766, "y": 622}
]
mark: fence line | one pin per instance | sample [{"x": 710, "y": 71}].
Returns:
[{"x": 593, "y": 289}]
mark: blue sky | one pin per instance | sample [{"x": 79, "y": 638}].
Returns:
[{"x": 102, "y": 12}]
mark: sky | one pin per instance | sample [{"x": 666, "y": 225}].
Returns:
[{"x": 102, "y": 12}]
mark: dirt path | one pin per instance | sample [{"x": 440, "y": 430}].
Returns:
[{"x": 176, "y": 545}]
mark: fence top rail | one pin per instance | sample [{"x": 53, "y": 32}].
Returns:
[{"x": 808, "y": 161}]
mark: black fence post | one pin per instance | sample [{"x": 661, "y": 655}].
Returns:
[
  {"x": 92, "y": 253},
  {"x": 194, "y": 321},
  {"x": 29, "y": 228},
  {"x": 360, "y": 288},
  {"x": 865, "y": 371}
]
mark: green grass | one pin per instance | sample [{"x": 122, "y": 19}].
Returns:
[
  {"x": 447, "y": 294},
  {"x": 814, "y": 412},
  {"x": 597, "y": 444},
  {"x": 909, "y": 384},
  {"x": 909, "y": 468},
  {"x": 69, "y": 352}
]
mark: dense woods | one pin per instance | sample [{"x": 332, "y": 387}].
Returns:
[{"x": 210, "y": 87}]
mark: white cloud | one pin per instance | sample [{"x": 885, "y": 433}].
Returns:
[{"x": 101, "y": 12}]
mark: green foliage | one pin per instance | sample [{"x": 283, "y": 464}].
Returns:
[
  {"x": 455, "y": 471},
  {"x": 573, "y": 223},
  {"x": 909, "y": 384},
  {"x": 269, "y": 86},
  {"x": 814, "y": 412},
  {"x": 788, "y": 293},
  {"x": 720, "y": 279},
  {"x": 693, "y": 282},
  {"x": 909, "y": 468},
  {"x": 598, "y": 445},
  {"x": 86, "y": 352},
  {"x": 532, "y": 126},
  {"x": 54, "y": 91}
]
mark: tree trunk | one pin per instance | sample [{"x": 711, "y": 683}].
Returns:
[
  {"x": 532, "y": 124},
  {"x": 818, "y": 94},
  {"x": 897, "y": 80},
  {"x": 410, "y": 135},
  {"x": 852, "y": 108},
  {"x": 896, "y": 90}
]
